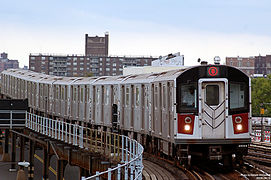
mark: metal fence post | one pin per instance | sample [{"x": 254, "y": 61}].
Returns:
[
  {"x": 119, "y": 170},
  {"x": 46, "y": 127},
  {"x": 62, "y": 130},
  {"x": 97, "y": 178},
  {"x": 126, "y": 150},
  {"x": 49, "y": 129},
  {"x": 74, "y": 134},
  {"x": 109, "y": 174},
  {"x": 55, "y": 136},
  {"x": 59, "y": 129},
  {"x": 66, "y": 132},
  {"x": 10, "y": 122},
  {"x": 70, "y": 129},
  {"x": 81, "y": 144}
]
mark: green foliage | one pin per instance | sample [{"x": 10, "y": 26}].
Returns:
[
  {"x": 89, "y": 74},
  {"x": 261, "y": 95}
]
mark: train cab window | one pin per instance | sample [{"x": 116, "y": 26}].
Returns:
[
  {"x": 212, "y": 95},
  {"x": 189, "y": 96},
  {"x": 237, "y": 95}
]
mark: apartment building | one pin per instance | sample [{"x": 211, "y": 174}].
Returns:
[
  {"x": 6, "y": 63},
  {"x": 80, "y": 65},
  {"x": 246, "y": 64}
]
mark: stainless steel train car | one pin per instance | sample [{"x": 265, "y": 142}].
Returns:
[{"x": 201, "y": 111}]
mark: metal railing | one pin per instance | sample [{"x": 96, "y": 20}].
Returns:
[
  {"x": 115, "y": 146},
  {"x": 12, "y": 118}
]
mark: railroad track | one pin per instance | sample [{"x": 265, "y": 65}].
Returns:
[
  {"x": 155, "y": 167},
  {"x": 259, "y": 152},
  {"x": 153, "y": 171}
]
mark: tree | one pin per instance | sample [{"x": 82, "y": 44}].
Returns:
[
  {"x": 89, "y": 74},
  {"x": 261, "y": 95}
]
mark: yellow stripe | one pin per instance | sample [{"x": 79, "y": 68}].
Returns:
[
  {"x": 38, "y": 158},
  {"x": 41, "y": 160}
]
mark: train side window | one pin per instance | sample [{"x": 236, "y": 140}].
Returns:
[
  {"x": 107, "y": 95},
  {"x": 189, "y": 96},
  {"x": 156, "y": 96},
  {"x": 82, "y": 94},
  {"x": 137, "y": 96},
  {"x": 86, "y": 93},
  {"x": 237, "y": 95},
  {"x": 127, "y": 96},
  {"x": 98, "y": 95},
  {"x": 212, "y": 95},
  {"x": 164, "y": 96}
]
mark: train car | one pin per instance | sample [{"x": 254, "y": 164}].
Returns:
[
  {"x": 213, "y": 112},
  {"x": 201, "y": 111}
]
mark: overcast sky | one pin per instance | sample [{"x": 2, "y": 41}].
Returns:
[{"x": 196, "y": 28}]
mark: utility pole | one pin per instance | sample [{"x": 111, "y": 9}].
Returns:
[{"x": 262, "y": 123}]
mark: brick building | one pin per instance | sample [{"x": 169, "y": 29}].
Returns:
[
  {"x": 95, "y": 62},
  {"x": 246, "y": 64},
  {"x": 96, "y": 46},
  {"x": 251, "y": 65},
  {"x": 80, "y": 65},
  {"x": 263, "y": 64},
  {"x": 6, "y": 63}
]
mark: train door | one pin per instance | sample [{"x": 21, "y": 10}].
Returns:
[{"x": 213, "y": 106}]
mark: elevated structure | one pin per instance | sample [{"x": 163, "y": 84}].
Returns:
[{"x": 12, "y": 113}]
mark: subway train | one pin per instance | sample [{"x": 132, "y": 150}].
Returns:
[{"x": 202, "y": 111}]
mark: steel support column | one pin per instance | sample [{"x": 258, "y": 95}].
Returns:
[
  {"x": 13, "y": 152},
  {"x": 60, "y": 166},
  {"x": 5, "y": 156},
  {"x": 31, "y": 160},
  {"x": 46, "y": 162},
  {"x": 22, "y": 145}
]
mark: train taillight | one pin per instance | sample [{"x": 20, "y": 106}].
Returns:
[
  {"x": 240, "y": 123},
  {"x": 186, "y": 123}
]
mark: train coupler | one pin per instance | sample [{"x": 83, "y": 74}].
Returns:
[{"x": 215, "y": 152}]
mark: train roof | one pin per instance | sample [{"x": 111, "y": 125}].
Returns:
[{"x": 127, "y": 79}]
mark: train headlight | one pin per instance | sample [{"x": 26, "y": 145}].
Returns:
[
  {"x": 239, "y": 127},
  {"x": 187, "y": 127}
]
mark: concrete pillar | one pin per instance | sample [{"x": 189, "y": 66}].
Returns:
[
  {"x": 13, "y": 152},
  {"x": 6, "y": 156},
  {"x": 31, "y": 160}
]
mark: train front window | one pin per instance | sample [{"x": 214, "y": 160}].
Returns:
[
  {"x": 237, "y": 95},
  {"x": 188, "y": 96},
  {"x": 212, "y": 95}
]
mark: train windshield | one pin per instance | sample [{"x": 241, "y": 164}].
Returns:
[
  {"x": 238, "y": 96},
  {"x": 188, "y": 96}
]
